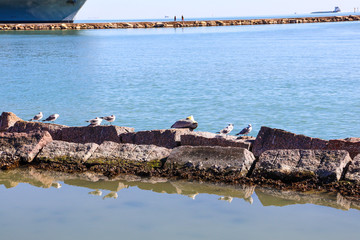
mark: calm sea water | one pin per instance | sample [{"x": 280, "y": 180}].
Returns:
[
  {"x": 303, "y": 78},
  {"x": 34, "y": 207}
]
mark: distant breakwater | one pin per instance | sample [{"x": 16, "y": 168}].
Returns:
[{"x": 172, "y": 24}]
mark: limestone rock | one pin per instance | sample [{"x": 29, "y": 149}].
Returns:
[
  {"x": 292, "y": 165},
  {"x": 7, "y": 120},
  {"x": 66, "y": 152},
  {"x": 169, "y": 138},
  {"x": 53, "y": 129},
  {"x": 272, "y": 138},
  {"x": 97, "y": 134},
  {"x": 115, "y": 153},
  {"x": 353, "y": 173},
  {"x": 17, "y": 147},
  {"x": 211, "y": 139},
  {"x": 212, "y": 157}
]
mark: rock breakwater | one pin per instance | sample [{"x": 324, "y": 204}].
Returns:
[
  {"x": 173, "y": 24},
  {"x": 275, "y": 158}
]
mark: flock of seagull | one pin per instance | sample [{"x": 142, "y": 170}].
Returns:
[
  {"x": 93, "y": 122},
  {"x": 188, "y": 123}
]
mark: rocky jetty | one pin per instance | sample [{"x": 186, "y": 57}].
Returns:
[
  {"x": 275, "y": 158},
  {"x": 178, "y": 24},
  {"x": 294, "y": 165}
]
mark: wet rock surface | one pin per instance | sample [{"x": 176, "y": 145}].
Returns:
[
  {"x": 211, "y": 139},
  {"x": 219, "y": 159},
  {"x": 21, "y": 147},
  {"x": 298, "y": 165}
]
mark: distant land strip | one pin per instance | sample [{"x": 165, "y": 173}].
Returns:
[{"x": 171, "y": 24}]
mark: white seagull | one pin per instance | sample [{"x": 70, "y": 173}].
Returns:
[
  {"x": 227, "y": 130},
  {"x": 109, "y": 119},
  {"x": 52, "y": 118},
  {"x": 95, "y": 122},
  {"x": 37, "y": 117},
  {"x": 246, "y": 130}
]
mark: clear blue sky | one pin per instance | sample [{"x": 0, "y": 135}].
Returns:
[{"x": 146, "y": 9}]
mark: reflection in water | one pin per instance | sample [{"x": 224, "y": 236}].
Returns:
[{"x": 97, "y": 184}]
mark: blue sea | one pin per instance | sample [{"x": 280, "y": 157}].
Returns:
[{"x": 302, "y": 78}]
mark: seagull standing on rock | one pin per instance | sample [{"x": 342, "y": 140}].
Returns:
[
  {"x": 95, "y": 122},
  {"x": 109, "y": 119},
  {"x": 227, "y": 130},
  {"x": 37, "y": 117},
  {"x": 188, "y": 122},
  {"x": 246, "y": 130},
  {"x": 52, "y": 118}
]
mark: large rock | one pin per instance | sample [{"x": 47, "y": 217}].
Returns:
[
  {"x": 272, "y": 138},
  {"x": 7, "y": 120},
  {"x": 66, "y": 152},
  {"x": 291, "y": 165},
  {"x": 97, "y": 134},
  {"x": 21, "y": 147},
  {"x": 211, "y": 139},
  {"x": 169, "y": 138},
  {"x": 212, "y": 157},
  {"x": 353, "y": 173},
  {"x": 114, "y": 153},
  {"x": 55, "y": 130},
  {"x": 352, "y": 145}
]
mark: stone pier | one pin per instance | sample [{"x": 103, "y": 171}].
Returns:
[{"x": 172, "y": 24}]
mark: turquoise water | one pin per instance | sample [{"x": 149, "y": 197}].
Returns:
[
  {"x": 33, "y": 208},
  {"x": 302, "y": 78}
]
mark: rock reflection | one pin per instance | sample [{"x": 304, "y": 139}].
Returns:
[
  {"x": 97, "y": 184},
  {"x": 272, "y": 197}
]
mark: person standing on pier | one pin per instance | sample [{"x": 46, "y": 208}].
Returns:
[
  {"x": 174, "y": 18},
  {"x": 182, "y": 17}
]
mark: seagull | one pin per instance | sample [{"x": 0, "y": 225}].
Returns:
[
  {"x": 246, "y": 130},
  {"x": 52, "y": 118},
  {"x": 188, "y": 122},
  {"x": 227, "y": 130},
  {"x": 37, "y": 117},
  {"x": 95, "y": 122},
  {"x": 110, "y": 119}
]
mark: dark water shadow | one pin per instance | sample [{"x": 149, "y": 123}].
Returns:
[{"x": 98, "y": 183}]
